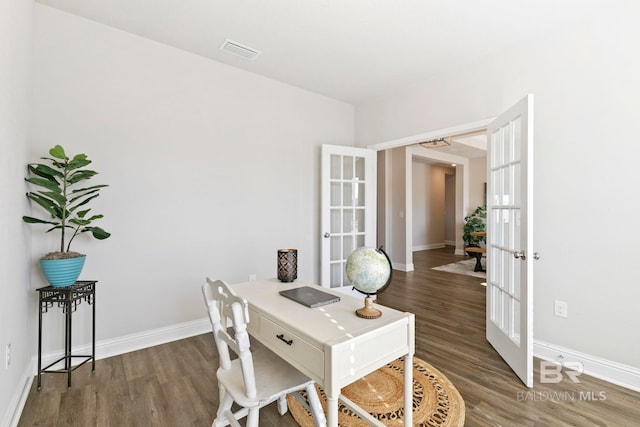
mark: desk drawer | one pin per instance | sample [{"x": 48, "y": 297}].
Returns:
[{"x": 295, "y": 350}]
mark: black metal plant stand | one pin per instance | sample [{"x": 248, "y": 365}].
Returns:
[{"x": 68, "y": 298}]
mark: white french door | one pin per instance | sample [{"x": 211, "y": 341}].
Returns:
[
  {"x": 510, "y": 237},
  {"x": 348, "y": 208}
]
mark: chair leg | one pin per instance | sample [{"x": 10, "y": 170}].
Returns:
[
  {"x": 225, "y": 405},
  {"x": 282, "y": 405},
  {"x": 316, "y": 407},
  {"x": 254, "y": 417},
  {"x": 231, "y": 419}
]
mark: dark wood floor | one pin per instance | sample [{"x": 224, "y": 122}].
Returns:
[{"x": 174, "y": 384}]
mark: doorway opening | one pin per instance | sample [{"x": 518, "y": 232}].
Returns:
[
  {"x": 509, "y": 308},
  {"x": 425, "y": 193}
]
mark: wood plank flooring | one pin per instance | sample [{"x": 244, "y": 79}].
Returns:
[{"x": 174, "y": 384}]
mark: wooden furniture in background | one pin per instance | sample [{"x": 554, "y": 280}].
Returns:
[{"x": 477, "y": 252}]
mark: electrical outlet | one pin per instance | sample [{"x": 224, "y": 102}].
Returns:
[
  {"x": 7, "y": 356},
  {"x": 560, "y": 309},
  {"x": 252, "y": 277}
]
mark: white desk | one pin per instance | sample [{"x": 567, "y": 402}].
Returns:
[{"x": 330, "y": 344}]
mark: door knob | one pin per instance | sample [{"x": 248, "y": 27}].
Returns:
[
  {"x": 519, "y": 255},
  {"x": 327, "y": 235},
  {"x": 536, "y": 255}
]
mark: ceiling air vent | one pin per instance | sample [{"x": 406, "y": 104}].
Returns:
[{"x": 239, "y": 50}]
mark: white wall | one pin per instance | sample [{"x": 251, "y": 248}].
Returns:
[
  {"x": 381, "y": 199},
  {"x": 450, "y": 208},
  {"x": 477, "y": 180},
  {"x": 15, "y": 55},
  {"x": 420, "y": 198},
  {"x": 585, "y": 81},
  {"x": 398, "y": 210},
  {"x": 428, "y": 200},
  {"x": 211, "y": 169}
]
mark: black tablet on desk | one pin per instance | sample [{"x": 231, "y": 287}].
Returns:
[{"x": 310, "y": 296}]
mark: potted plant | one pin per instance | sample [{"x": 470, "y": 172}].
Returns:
[
  {"x": 474, "y": 223},
  {"x": 62, "y": 196}
]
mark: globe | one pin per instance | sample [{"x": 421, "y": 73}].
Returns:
[{"x": 368, "y": 270}]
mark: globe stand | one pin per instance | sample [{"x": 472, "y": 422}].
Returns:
[{"x": 368, "y": 311}]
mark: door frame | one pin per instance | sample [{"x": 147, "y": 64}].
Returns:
[
  {"x": 525, "y": 374},
  {"x": 480, "y": 125},
  {"x": 462, "y": 190}
]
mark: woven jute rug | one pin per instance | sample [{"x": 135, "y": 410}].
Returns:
[{"x": 436, "y": 402}]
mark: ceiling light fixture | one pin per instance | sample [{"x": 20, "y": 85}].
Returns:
[
  {"x": 438, "y": 142},
  {"x": 241, "y": 50}
]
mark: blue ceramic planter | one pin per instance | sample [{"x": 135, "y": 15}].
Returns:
[{"x": 62, "y": 272}]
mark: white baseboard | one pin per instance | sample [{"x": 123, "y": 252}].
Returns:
[
  {"x": 450, "y": 242},
  {"x": 402, "y": 267},
  {"x": 613, "y": 372},
  {"x": 104, "y": 349},
  {"x": 132, "y": 342},
  {"x": 459, "y": 252},
  {"x": 429, "y": 247},
  {"x": 16, "y": 405}
]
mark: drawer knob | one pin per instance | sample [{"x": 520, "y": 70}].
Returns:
[{"x": 282, "y": 338}]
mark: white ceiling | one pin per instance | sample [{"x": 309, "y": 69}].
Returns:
[
  {"x": 471, "y": 146},
  {"x": 351, "y": 50}
]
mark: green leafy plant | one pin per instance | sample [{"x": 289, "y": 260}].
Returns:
[
  {"x": 60, "y": 196},
  {"x": 473, "y": 223}
]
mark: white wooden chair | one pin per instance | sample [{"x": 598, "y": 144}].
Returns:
[{"x": 252, "y": 380}]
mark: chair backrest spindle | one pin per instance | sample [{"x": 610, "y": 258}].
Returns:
[{"x": 223, "y": 303}]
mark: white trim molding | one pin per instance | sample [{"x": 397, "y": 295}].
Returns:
[
  {"x": 402, "y": 267},
  {"x": 132, "y": 342},
  {"x": 607, "y": 370},
  {"x": 429, "y": 247},
  {"x": 440, "y": 133},
  {"x": 16, "y": 405},
  {"x": 613, "y": 372},
  {"x": 104, "y": 349}
]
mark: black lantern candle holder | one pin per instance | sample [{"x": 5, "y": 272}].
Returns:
[{"x": 287, "y": 265}]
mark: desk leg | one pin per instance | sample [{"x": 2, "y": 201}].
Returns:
[
  {"x": 332, "y": 410},
  {"x": 408, "y": 390}
]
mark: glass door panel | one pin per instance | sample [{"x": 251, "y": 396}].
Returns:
[{"x": 348, "y": 207}]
